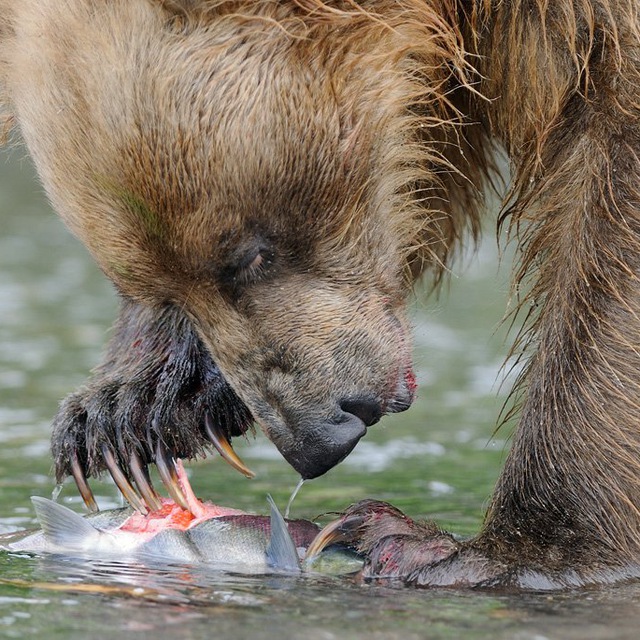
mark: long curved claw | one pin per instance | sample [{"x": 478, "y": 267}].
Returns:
[
  {"x": 129, "y": 493},
  {"x": 221, "y": 442},
  {"x": 167, "y": 471},
  {"x": 342, "y": 530},
  {"x": 140, "y": 475},
  {"x": 83, "y": 486}
]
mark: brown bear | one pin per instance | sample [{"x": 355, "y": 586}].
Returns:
[{"x": 265, "y": 181}]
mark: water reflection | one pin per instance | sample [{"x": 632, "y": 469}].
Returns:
[{"x": 184, "y": 602}]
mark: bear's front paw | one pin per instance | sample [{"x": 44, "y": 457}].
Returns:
[
  {"x": 157, "y": 397},
  {"x": 393, "y": 545}
]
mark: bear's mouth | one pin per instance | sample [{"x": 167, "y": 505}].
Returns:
[
  {"x": 313, "y": 447},
  {"x": 321, "y": 446}
]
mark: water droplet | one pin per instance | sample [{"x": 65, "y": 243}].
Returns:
[
  {"x": 55, "y": 494},
  {"x": 293, "y": 495}
]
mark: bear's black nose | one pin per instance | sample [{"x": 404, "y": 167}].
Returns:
[
  {"x": 368, "y": 410},
  {"x": 320, "y": 446}
]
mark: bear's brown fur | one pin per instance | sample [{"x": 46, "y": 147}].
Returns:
[{"x": 278, "y": 174}]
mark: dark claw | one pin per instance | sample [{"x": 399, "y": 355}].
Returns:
[
  {"x": 221, "y": 443},
  {"x": 166, "y": 469},
  {"x": 393, "y": 545},
  {"x": 83, "y": 486},
  {"x": 344, "y": 530},
  {"x": 140, "y": 475},
  {"x": 129, "y": 493}
]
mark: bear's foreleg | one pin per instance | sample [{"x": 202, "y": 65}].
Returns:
[{"x": 157, "y": 397}]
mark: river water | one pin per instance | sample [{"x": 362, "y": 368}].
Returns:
[{"x": 439, "y": 460}]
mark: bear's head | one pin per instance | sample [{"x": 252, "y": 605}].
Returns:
[{"x": 267, "y": 172}]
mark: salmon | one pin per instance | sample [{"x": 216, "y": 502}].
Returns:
[{"x": 221, "y": 537}]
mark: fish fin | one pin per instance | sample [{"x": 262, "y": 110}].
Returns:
[
  {"x": 281, "y": 550},
  {"x": 61, "y": 526}
]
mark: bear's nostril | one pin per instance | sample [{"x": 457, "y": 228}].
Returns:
[{"x": 369, "y": 411}]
